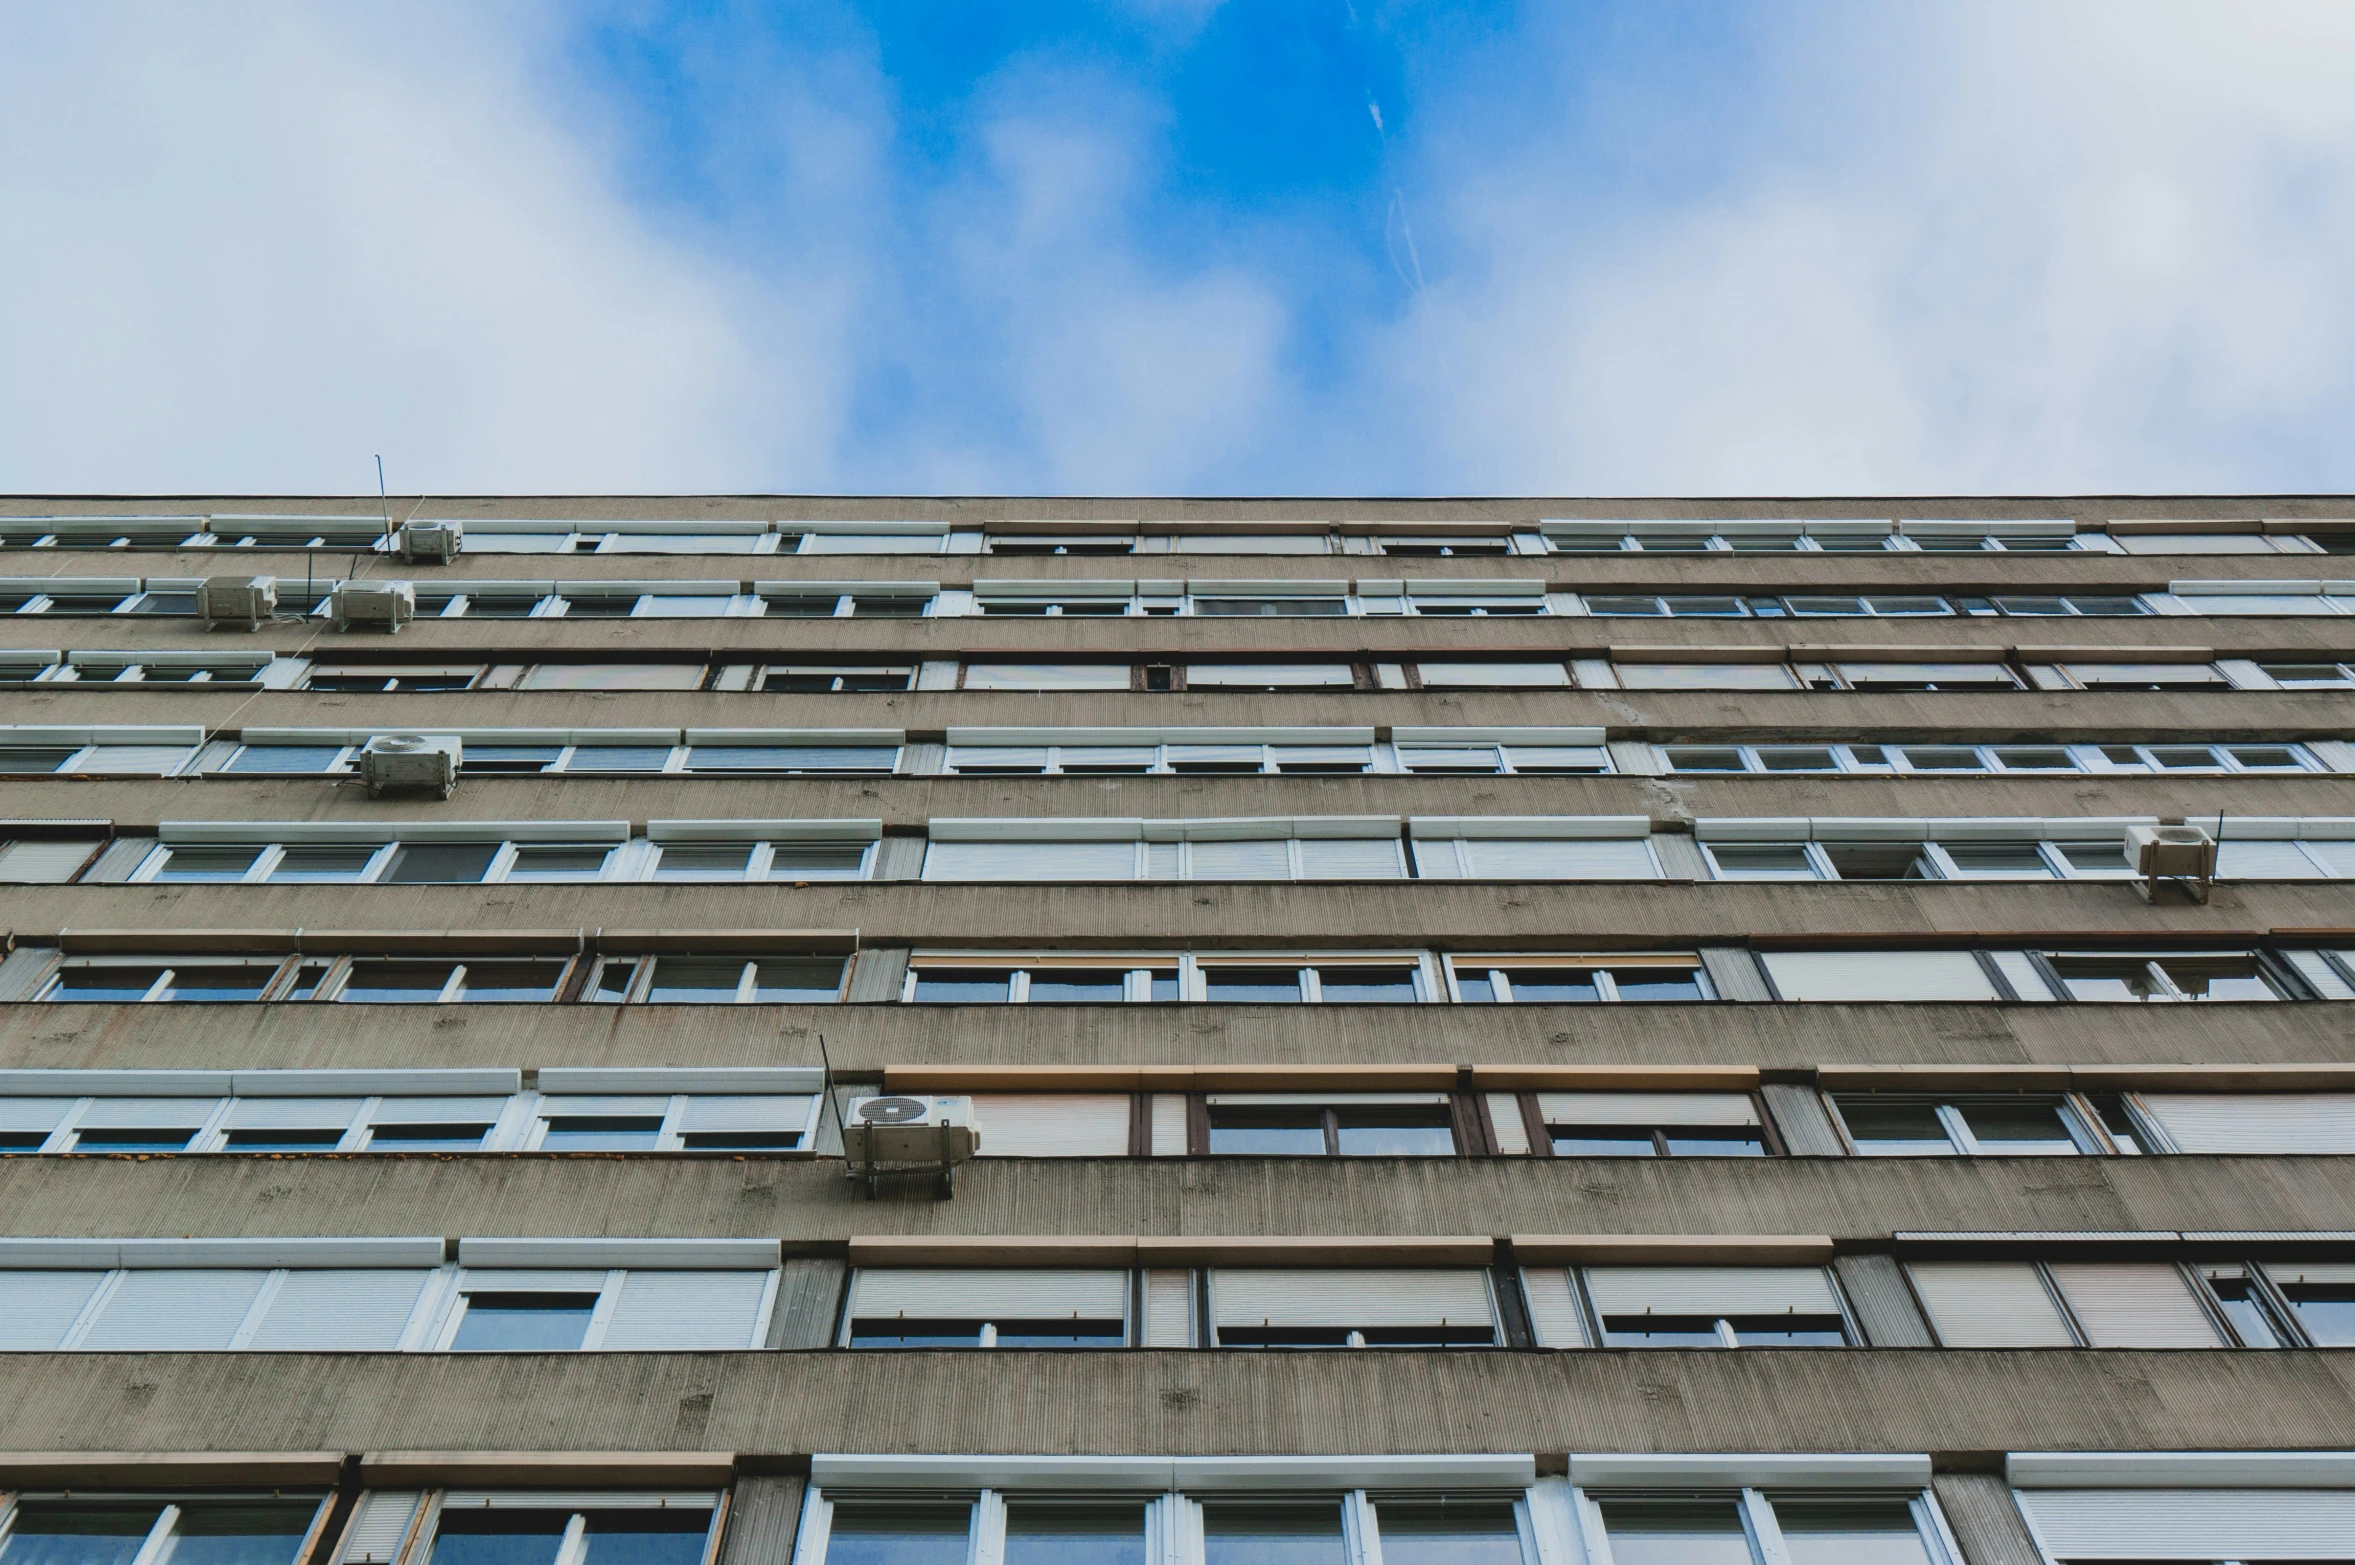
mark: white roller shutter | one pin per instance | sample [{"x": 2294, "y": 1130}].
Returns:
[
  {"x": 518, "y": 1279},
  {"x": 174, "y": 1311},
  {"x": 1267, "y": 859},
  {"x": 635, "y": 1106},
  {"x": 1647, "y": 1108},
  {"x": 1351, "y": 858},
  {"x": 979, "y": 1293},
  {"x": 1542, "y": 676},
  {"x": 1170, "y": 1138},
  {"x": 1350, "y": 1298},
  {"x": 151, "y": 760},
  {"x": 2291, "y": 1273},
  {"x": 2256, "y": 1122},
  {"x": 1169, "y": 1308},
  {"x": 292, "y": 1113},
  {"x": 721, "y": 1113},
  {"x": 1554, "y": 1314},
  {"x": 37, "y": 1307},
  {"x": 438, "y": 1111},
  {"x": 1030, "y": 861},
  {"x": 1069, "y": 1124},
  {"x": 1711, "y": 1290},
  {"x": 379, "y": 1525},
  {"x": 33, "y": 1114},
  {"x": 1877, "y": 975},
  {"x": 2193, "y": 1524},
  {"x": 339, "y": 1312},
  {"x": 1559, "y": 858},
  {"x": 2262, "y": 859},
  {"x": 1047, "y": 676},
  {"x": 43, "y": 863},
  {"x": 2124, "y": 1305},
  {"x": 147, "y": 1114},
  {"x": 1287, "y": 676},
  {"x": 1989, "y": 1304},
  {"x": 686, "y": 1312},
  {"x": 2316, "y": 969}
]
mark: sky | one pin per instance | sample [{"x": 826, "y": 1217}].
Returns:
[{"x": 1281, "y": 247}]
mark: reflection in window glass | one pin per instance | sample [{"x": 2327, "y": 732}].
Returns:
[
  {"x": 51, "y": 1533},
  {"x": 1270, "y": 1131},
  {"x": 1883, "y": 1127},
  {"x": 897, "y": 1534},
  {"x": 1272, "y": 1534},
  {"x": 1368, "y": 985},
  {"x": 1464, "y": 1533},
  {"x": 259, "y": 1533},
  {"x": 470, "y": 1537},
  {"x": 1675, "y": 1532},
  {"x": 664, "y": 1537},
  {"x": 2326, "y": 1310},
  {"x": 524, "y": 1322},
  {"x": 964, "y": 985},
  {"x": 208, "y": 864},
  {"x": 1394, "y": 1130},
  {"x": 100, "y": 985},
  {"x": 1075, "y": 1533},
  {"x": 1076, "y": 986},
  {"x": 1251, "y": 985},
  {"x": 1850, "y": 1532}
]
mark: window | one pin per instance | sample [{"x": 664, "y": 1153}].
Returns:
[
  {"x": 1603, "y": 848},
  {"x": 1341, "y": 848},
  {"x": 693, "y": 980},
  {"x": 263, "y": 1528},
  {"x": 2170, "y": 977},
  {"x": 1356, "y": 1124},
  {"x": 2023, "y": 1124},
  {"x": 1468, "y": 675},
  {"x": 1751, "y": 1526},
  {"x": 2092, "y": 1303},
  {"x": 1707, "y": 676},
  {"x": 570, "y": 1529},
  {"x": 812, "y": 679},
  {"x": 2200, "y": 1522},
  {"x": 985, "y": 1308},
  {"x": 1686, "y": 1307},
  {"x": 1266, "y": 676},
  {"x": 1952, "y": 858},
  {"x": 1351, "y": 1308},
  {"x": 1650, "y": 1124},
  {"x": 1077, "y": 980},
  {"x": 1522, "y": 979}
]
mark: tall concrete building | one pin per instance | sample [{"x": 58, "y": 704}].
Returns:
[{"x": 1020, "y": 1032}]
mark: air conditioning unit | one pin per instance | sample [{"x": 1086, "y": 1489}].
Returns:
[
  {"x": 432, "y": 543},
  {"x": 411, "y": 761},
  {"x": 374, "y": 605},
  {"x": 243, "y": 601},
  {"x": 906, "y": 1133},
  {"x": 2183, "y": 854}
]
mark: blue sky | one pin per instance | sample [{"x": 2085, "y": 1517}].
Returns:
[{"x": 1169, "y": 246}]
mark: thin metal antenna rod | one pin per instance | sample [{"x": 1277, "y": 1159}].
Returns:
[{"x": 382, "y": 500}]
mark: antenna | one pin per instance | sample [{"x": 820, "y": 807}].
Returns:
[
  {"x": 382, "y": 500},
  {"x": 826, "y": 1077}
]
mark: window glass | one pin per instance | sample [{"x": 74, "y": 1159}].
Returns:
[
  {"x": 103, "y": 984},
  {"x": 2326, "y": 1310},
  {"x": 1076, "y": 985},
  {"x": 472, "y": 1537},
  {"x": 1736, "y": 860},
  {"x": 1675, "y": 1532},
  {"x": 2013, "y": 859},
  {"x": 502, "y": 983},
  {"x": 1850, "y": 1532},
  {"x": 1045, "y": 1532},
  {"x": 195, "y": 863},
  {"x": 618, "y": 758},
  {"x": 1552, "y": 985},
  {"x": 507, "y": 759},
  {"x": 439, "y": 863},
  {"x": 1463, "y": 1532},
  {"x": 558, "y": 861},
  {"x": 1267, "y": 1130},
  {"x": 704, "y": 861},
  {"x": 1272, "y": 1534},
  {"x": 285, "y": 759},
  {"x": 2219, "y": 977},
  {"x": 792, "y": 860},
  {"x": 46, "y": 1532},
  {"x": 1895, "y": 1127},
  {"x": 523, "y": 1322},
  {"x": 1251, "y": 985},
  {"x": 894, "y": 1533},
  {"x": 390, "y": 1134},
  {"x": 258, "y": 1532},
  {"x": 1394, "y": 1130},
  {"x": 601, "y": 1132},
  {"x": 2023, "y": 1126},
  {"x": 397, "y": 983},
  {"x": 964, "y": 985},
  {"x": 327, "y": 861},
  {"x": 1352, "y": 985},
  {"x": 1655, "y": 983}
]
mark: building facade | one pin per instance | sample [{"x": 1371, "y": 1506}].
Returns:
[{"x": 1556, "y": 1032}]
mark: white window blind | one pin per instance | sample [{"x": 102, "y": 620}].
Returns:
[
  {"x": 1554, "y": 1315},
  {"x": 1711, "y": 1290},
  {"x": 1169, "y": 1308},
  {"x": 33, "y": 1114},
  {"x": 1170, "y": 1138},
  {"x": 1544, "y": 676},
  {"x": 1291, "y": 676},
  {"x": 1065, "y": 1124},
  {"x": 339, "y": 1311},
  {"x": 1350, "y": 1297},
  {"x": 37, "y": 1307},
  {"x": 147, "y": 1114},
  {"x": 1878, "y": 975},
  {"x": 1263, "y": 859},
  {"x": 1046, "y": 676},
  {"x": 42, "y": 863},
  {"x": 686, "y": 1312},
  {"x": 985, "y": 1293},
  {"x": 1030, "y": 861},
  {"x": 174, "y": 1311},
  {"x": 2126, "y": 1305},
  {"x": 2278, "y": 1122},
  {"x": 719, "y": 1113},
  {"x": 1348, "y": 858},
  {"x": 2192, "y": 1524},
  {"x": 1549, "y": 858},
  {"x": 1989, "y": 1304},
  {"x": 378, "y": 1526},
  {"x": 1647, "y": 1108},
  {"x": 292, "y": 1113}
]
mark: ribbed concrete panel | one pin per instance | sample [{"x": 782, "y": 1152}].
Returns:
[
  {"x": 868, "y": 1038},
  {"x": 1979, "y": 1507},
  {"x": 764, "y": 1514},
  {"x": 809, "y": 1296},
  {"x": 1848, "y": 1198},
  {"x": 1150, "y": 1402}
]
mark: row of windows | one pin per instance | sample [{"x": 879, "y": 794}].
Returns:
[
  {"x": 1140, "y": 752},
  {"x": 346, "y": 675},
  {"x": 1407, "y": 977},
  {"x": 77, "y": 597},
  {"x": 591, "y": 1110},
  {"x": 507, "y": 535},
  {"x": 1465, "y": 1510},
  {"x": 279, "y": 1116},
  {"x": 393, "y": 1295},
  {"x": 1046, "y": 849}
]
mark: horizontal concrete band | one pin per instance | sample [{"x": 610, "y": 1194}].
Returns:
[
  {"x": 1179, "y": 1403},
  {"x": 204, "y": 1469},
  {"x": 1860, "y": 1203},
  {"x": 1298, "y": 1250}
]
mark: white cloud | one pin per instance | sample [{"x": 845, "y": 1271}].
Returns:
[
  {"x": 2086, "y": 247},
  {"x": 252, "y": 244}
]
